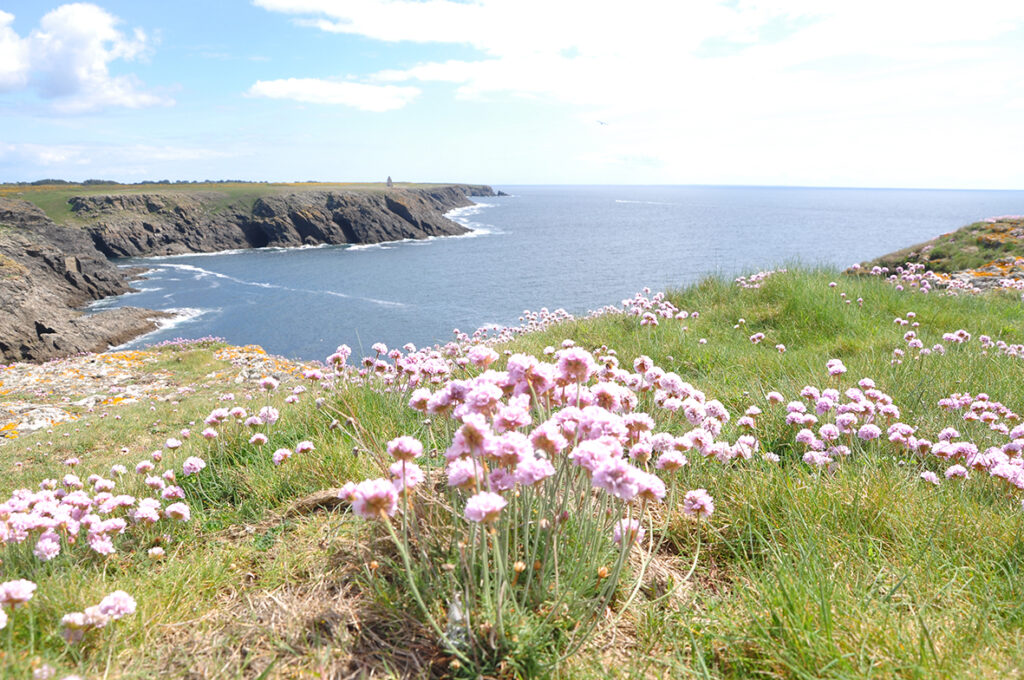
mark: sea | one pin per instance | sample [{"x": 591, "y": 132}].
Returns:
[{"x": 572, "y": 247}]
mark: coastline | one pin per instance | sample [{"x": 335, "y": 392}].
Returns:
[{"x": 52, "y": 276}]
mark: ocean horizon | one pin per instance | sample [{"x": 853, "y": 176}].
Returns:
[{"x": 576, "y": 247}]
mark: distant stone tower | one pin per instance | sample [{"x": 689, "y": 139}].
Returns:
[{"x": 389, "y": 182}]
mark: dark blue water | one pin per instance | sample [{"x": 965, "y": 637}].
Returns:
[{"x": 545, "y": 246}]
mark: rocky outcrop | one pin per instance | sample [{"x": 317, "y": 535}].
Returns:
[
  {"x": 49, "y": 272},
  {"x": 46, "y": 272},
  {"x": 171, "y": 223}
]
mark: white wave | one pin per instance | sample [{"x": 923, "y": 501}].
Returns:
[
  {"x": 233, "y": 251},
  {"x": 622, "y": 200},
  {"x": 179, "y": 316}
]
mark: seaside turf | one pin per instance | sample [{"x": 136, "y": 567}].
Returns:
[
  {"x": 53, "y": 198},
  {"x": 859, "y": 570}
]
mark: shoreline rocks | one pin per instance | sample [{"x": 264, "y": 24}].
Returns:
[{"x": 49, "y": 272}]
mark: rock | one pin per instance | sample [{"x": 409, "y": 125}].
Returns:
[
  {"x": 46, "y": 271},
  {"x": 172, "y": 223}
]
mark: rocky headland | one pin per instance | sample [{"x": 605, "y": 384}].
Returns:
[
  {"x": 50, "y": 271},
  {"x": 980, "y": 255}
]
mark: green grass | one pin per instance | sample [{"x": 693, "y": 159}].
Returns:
[
  {"x": 220, "y": 196},
  {"x": 969, "y": 247},
  {"x": 864, "y": 571}
]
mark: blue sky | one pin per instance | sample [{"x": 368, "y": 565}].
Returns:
[{"x": 792, "y": 92}]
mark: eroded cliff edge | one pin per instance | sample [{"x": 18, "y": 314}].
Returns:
[
  {"x": 172, "y": 223},
  {"x": 49, "y": 272}
]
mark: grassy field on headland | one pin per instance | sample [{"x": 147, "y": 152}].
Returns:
[
  {"x": 990, "y": 248},
  {"x": 860, "y": 440},
  {"x": 53, "y": 198}
]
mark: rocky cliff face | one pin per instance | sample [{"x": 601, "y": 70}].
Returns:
[
  {"x": 128, "y": 225},
  {"x": 46, "y": 272}
]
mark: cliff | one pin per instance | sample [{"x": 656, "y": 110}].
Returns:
[
  {"x": 46, "y": 273},
  {"x": 49, "y": 271},
  {"x": 170, "y": 223},
  {"x": 981, "y": 254}
]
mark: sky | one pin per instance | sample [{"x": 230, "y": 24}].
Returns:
[{"x": 875, "y": 93}]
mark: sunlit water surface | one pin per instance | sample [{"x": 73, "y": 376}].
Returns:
[{"x": 573, "y": 247}]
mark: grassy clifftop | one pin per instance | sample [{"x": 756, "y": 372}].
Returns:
[
  {"x": 868, "y": 524},
  {"x": 989, "y": 248},
  {"x": 53, "y": 198}
]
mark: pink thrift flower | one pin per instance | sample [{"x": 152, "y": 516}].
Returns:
[
  {"x": 281, "y": 455},
  {"x": 957, "y": 471},
  {"x": 16, "y": 593},
  {"x": 671, "y": 460},
  {"x": 406, "y": 475},
  {"x": 628, "y": 530},
  {"x": 484, "y": 507},
  {"x": 178, "y": 511},
  {"x": 835, "y": 367},
  {"x": 373, "y": 498},
  {"x": 192, "y": 465},
  {"x": 617, "y": 477},
  {"x": 405, "y": 448},
  {"x": 930, "y": 476},
  {"x": 172, "y": 443},
  {"x": 117, "y": 605},
  {"x": 258, "y": 439},
  {"x": 209, "y": 433},
  {"x": 304, "y": 447},
  {"x": 698, "y": 502},
  {"x": 532, "y": 470},
  {"x": 869, "y": 432}
]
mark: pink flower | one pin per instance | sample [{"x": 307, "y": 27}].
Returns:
[
  {"x": 405, "y": 448},
  {"x": 575, "y": 365},
  {"x": 172, "y": 443},
  {"x": 269, "y": 383},
  {"x": 373, "y": 498},
  {"x": 484, "y": 507},
  {"x": 178, "y": 511},
  {"x": 192, "y": 465},
  {"x": 406, "y": 474},
  {"x": 258, "y": 439},
  {"x": 117, "y": 605},
  {"x": 651, "y": 488},
  {"x": 533, "y": 470},
  {"x": 304, "y": 447},
  {"x": 618, "y": 478},
  {"x": 16, "y": 593},
  {"x": 698, "y": 502},
  {"x": 482, "y": 356},
  {"x": 930, "y": 476},
  {"x": 281, "y": 455},
  {"x": 463, "y": 473},
  {"x": 958, "y": 471},
  {"x": 628, "y": 530},
  {"x": 835, "y": 367},
  {"x": 209, "y": 433},
  {"x": 869, "y": 432},
  {"x": 671, "y": 460}
]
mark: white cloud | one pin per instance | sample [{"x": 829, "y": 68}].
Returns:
[
  {"x": 843, "y": 81},
  {"x": 13, "y": 56},
  {"x": 318, "y": 91},
  {"x": 67, "y": 58},
  {"x": 87, "y": 154}
]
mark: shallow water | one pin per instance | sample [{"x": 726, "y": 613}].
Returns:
[{"x": 545, "y": 246}]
